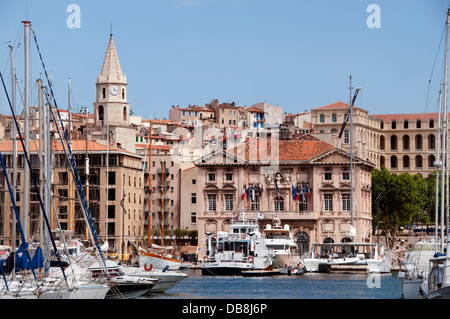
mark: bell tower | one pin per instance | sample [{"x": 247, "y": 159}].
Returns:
[{"x": 111, "y": 97}]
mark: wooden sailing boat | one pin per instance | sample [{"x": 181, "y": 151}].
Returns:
[{"x": 158, "y": 256}]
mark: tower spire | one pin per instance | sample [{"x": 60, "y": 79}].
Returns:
[{"x": 111, "y": 70}]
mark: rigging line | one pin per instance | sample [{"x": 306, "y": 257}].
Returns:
[
  {"x": 32, "y": 175},
  {"x": 434, "y": 64},
  {"x": 46, "y": 185},
  {"x": 26, "y": 251},
  {"x": 84, "y": 203}
]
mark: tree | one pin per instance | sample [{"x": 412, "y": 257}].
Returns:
[{"x": 400, "y": 198}]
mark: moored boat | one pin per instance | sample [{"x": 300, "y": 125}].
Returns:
[
  {"x": 242, "y": 248},
  {"x": 280, "y": 240}
]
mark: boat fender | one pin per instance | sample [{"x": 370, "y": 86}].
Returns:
[
  {"x": 206, "y": 258},
  {"x": 146, "y": 268},
  {"x": 250, "y": 259}
]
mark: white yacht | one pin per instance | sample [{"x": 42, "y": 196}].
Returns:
[
  {"x": 416, "y": 268},
  {"x": 280, "y": 240},
  {"x": 372, "y": 257},
  {"x": 166, "y": 279},
  {"x": 436, "y": 285},
  {"x": 243, "y": 248}
]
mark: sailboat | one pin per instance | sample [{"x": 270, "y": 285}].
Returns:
[
  {"x": 159, "y": 256},
  {"x": 436, "y": 285},
  {"x": 371, "y": 256},
  {"x": 49, "y": 287}
]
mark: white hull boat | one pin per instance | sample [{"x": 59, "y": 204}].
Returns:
[
  {"x": 280, "y": 240},
  {"x": 243, "y": 248},
  {"x": 166, "y": 279}
]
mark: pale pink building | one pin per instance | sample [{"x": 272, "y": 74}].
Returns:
[{"x": 322, "y": 212}]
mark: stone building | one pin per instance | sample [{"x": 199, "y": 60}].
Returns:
[
  {"x": 109, "y": 184},
  {"x": 401, "y": 142},
  {"x": 268, "y": 170}
]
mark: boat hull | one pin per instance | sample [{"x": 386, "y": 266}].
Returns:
[
  {"x": 89, "y": 292},
  {"x": 283, "y": 260},
  {"x": 166, "y": 279},
  {"x": 411, "y": 289},
  {"x": 128, "y": 291},
  {"x": 153, "y": 261},
  {"x": 379, "y": 266},
  {"x": 316, "y": 265},
  {"x": 442, "y": 293}
]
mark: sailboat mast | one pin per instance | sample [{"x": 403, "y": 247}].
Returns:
[
  {"x": 162, "y": 202},
  {"x": 41, "y": 169},
  {"x": 446, "y": 121},
  {"x": 26, "y": 191},
  {"x": 445, "y": 132},
  {"x": 14, "y": 133},
  {"x": 437, "y": 164},
  {"x": 149, "y": 185},
  {"x": 351, "y": 153}
]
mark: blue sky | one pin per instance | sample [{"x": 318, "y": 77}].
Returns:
[{"x": 293, "y": 53}]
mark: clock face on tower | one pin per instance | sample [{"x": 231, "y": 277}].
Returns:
[{"x": 114, "y": 90}]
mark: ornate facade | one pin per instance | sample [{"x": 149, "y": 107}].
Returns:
[{"x": 271, "y": 176}]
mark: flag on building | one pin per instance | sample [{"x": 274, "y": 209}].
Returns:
[
  {"x": 278, "y": 192},
  {"x": 303, "y": 195},
  {"x": 243, "y": 193},
  {"x": 253, "y": 193},
  {"x": 294, "y": 195}
]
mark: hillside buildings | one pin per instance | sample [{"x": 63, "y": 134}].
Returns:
[{"x": 190, "y": 171}]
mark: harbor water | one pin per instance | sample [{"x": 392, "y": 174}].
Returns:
[{"x": 305, "y": 286}]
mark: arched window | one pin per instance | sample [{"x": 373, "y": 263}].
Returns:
[
  {"x": 100, "y": 113},
  {"x": 104, "y": 93},
  {"x": 382, "y": 141},
  {"x": 123, "y": 94},
  {"x": 431, "y": 124},
  {"x": 382, "y": 161},
  {"x": 334, "y": 131},
  {"x": 406, "y": 161},
  {"x": 394, "y": 125},
  {"x": 405, "y": 124},
  {"x": 419, "y": 124},
  {"x": 418, "y": 161},
  {"x": 278, "y": 204},
  {"x": 302, "y": 240},
  {"x": 431, "y": 142},
  {"x": 419, "y": 142},
  {"x": 431, "y": 160},
  {"x": 334, "y": 118},
  {"x": 393, "y": 161},
  {"x": 125, "y": 113},
  {"x": 405, "y": 142},
  {"x": 322, "y": 118},
  {"x": 393, "y": 142}
]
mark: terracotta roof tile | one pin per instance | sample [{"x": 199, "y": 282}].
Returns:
[
  {"x": 337, "y": 105},
  {"x": 287, "y": 150}
]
